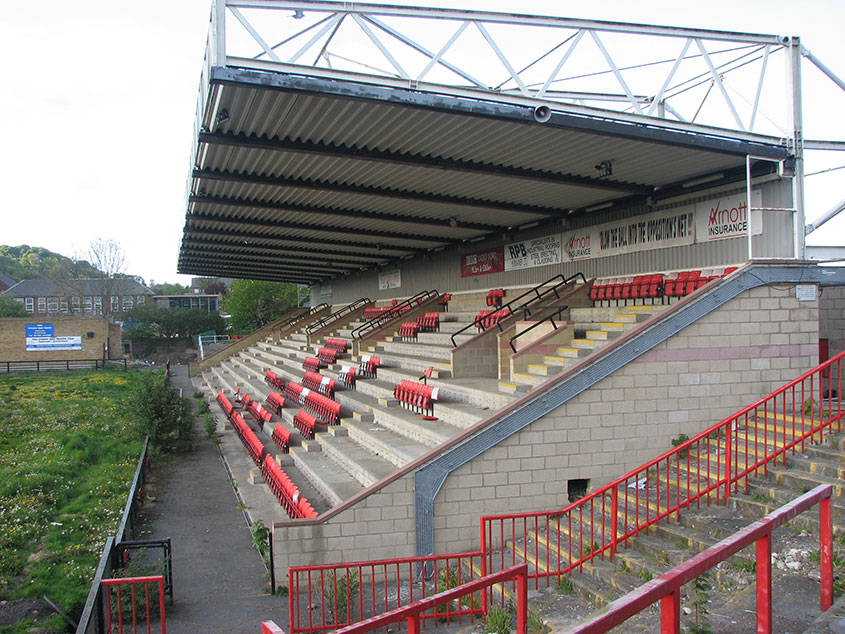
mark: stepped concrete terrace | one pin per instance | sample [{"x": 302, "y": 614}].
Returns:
[{"x": 376, "y": 434}]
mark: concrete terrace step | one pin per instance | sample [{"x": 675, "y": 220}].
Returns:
[
  {"x": 430, "y": 433},
  {"x": 417, "y": 364},
  {"x": 332, "y": 482},
  {"x": 441, "y": 353},
  {"x": 398, "y": 450},
  {"x": 365, "y": 466}
]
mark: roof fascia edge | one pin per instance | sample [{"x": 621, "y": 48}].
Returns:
[
  {"x": 605, "y": 123},
  {"x": 429, "y": 479}
]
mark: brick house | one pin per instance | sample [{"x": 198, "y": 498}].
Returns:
[{"x": 79, "y": 297}]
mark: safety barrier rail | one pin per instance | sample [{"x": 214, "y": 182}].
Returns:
[
  {"x": 325, "y": 321},
  {"x": 667, "y": 587},
  {"x": 550, "y": 318},
  {"x": 394, "y": 313},
  {"x": 513, "y": 306},
  {"x": 705, "y": 468},
  {"x": 122, "y": 610},
  {"x": 328, "y": 597},
  {"x": 63, "y": 364}
]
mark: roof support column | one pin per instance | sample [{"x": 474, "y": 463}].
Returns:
[{"x": 796, "y": 125}]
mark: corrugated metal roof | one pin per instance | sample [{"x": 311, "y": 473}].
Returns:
[{"x": 305, "y": 184}]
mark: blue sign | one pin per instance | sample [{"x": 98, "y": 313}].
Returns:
[{"x": 39, "y": 330}]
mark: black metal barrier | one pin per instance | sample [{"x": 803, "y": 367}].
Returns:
[{"x": 63, "y": 364}]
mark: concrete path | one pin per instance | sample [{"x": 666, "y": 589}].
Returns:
[{"x": 219, "y": 582}]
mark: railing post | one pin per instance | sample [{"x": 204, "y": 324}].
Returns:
[
  {"x": 764, "y": 584},
  {"x": 413, "y": 624},
  {"x": 614, "y": 501},
  {"x": 522, "y": 603},
  {"x": 483, "y": 565},
  {"x": 670, "y": 613},
  {"x": 729, "y": 434},
  {"x": 826, "y": 550}
]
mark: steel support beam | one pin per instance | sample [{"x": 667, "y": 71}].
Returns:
[
  {"x": 368, "y": 190},
  {"x": 363, "y": 258},
  {"x": 249, "y": 238},
  {"x": 416, "y": 160}
]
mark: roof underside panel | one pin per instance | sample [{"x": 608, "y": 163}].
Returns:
[{"x": 303, "y": 185}]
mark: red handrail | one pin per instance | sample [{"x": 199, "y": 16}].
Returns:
[
  {"x": 596, "y": 524},
  {"x": 413, "y": 613},
  {"x": 667, "y": 587},
  {"x": 117, "y": 614},
  {"x": 330, "y": 596}
]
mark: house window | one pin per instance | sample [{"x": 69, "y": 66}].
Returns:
[
  {"x": 115, "y": 304},
  {"x": 140, "y": 300},
  {"x": 87, "y": 303},
  {"x": 98, "y": 305},
  {"x": 74, "y": 301},
  {"x": 127, "y": 303},
  {"x": 28, "y": 304},
  {"x": 52, "y": 304},
  {"x": 64, "y": 306},
  {"x": 42, "y": 304}
]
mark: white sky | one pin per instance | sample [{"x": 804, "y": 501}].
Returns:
[{"x": 98, "y": 104}]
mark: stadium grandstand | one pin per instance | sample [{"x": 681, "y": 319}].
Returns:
[{"x": 539, "y": 251}]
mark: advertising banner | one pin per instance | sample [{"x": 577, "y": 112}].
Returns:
[
  {"x": 727, "y": 217},
  {"x": 483, "y": 262},
  {"x": 389, "y": 279},
  {"x": 530, "y": 253},
  {"x": 658, "y": 230},
  {"x": 40, "y": 337}
]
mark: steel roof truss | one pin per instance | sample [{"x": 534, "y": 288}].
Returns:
[
  {"x": 365, "y": 258},
  {"x": 225, "y": 251},
  {"x": 247, "y": 237}
]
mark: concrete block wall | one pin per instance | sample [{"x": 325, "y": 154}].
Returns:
[
  {"x": 711, "y": 369},
  {"x": 832, "y": 318}
]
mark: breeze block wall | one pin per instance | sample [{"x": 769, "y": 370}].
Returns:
[
  {"x": 13, "y": 338},
  {"x": 832, "y": 318},
  {"x": 731, "y": 357}
]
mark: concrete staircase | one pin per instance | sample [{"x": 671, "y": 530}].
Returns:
[
  {"x": 590, "y": 329},
  {"x": 731, "y": 593}
]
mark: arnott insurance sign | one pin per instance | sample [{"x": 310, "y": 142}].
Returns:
[{"x": 727, "y": 217}]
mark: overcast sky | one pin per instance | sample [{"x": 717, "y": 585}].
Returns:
[{"x": 98, "y": 105}]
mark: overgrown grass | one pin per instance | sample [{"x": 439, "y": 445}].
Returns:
[{"x": 66, "y": 462}]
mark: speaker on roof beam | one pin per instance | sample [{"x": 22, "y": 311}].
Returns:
[{"x": 542, "y": 114}]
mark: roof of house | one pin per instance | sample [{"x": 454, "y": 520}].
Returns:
[
  {"x": 6, "y": 281},
  {"x": 57, "y": 288}
]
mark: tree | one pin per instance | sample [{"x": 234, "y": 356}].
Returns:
[
  {"x": 252, "y": 303},
  {"x": 165, "y": 288},
  {"x": 10, "y": 307},
  {"x": 150, "y": 321},
  {"x": 159, "y": 412},
  {"x": 108, "y": 258}
]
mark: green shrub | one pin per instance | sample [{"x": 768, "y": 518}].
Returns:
[
  {"x": 340, "y": 594},
  {"x": 498, "y": 621},
  {"x": 565, "y": 586},
  {"x": 159, "y": 412},
  {"x": 209, "y": 424},
  {"x": 202, "y": 406}
]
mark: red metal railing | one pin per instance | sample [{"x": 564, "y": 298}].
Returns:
[
  {"x": 706, "y": 467},
  {"x": 440, "y": 605},
  {"x": 332, "y": 596},
  {"x": 667, "y": 587},
  {"x": 125, "y": 607}
]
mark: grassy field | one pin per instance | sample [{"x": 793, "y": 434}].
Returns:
[{"x": 67, "y": 457}]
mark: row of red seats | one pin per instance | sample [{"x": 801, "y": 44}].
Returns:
[
  {"x": 275, "y": 402},
  {"x": 430, "y": 322},
  {"x": 340, "y": 345},
  {"x": 327, "y": 355},
  {"x": 369, "y": 365},
  {"x": 408, "y": 330},
  {"x": 225, "y": 404},
  {"x": 258, "y": 413},
  {"x": 323, "y": 384},
  {"x": 296, "y": 505},
  {"x": 281, "y": 436},
  {"x": 685, "y": 282},
  {"x": 312, "y": 364},
  {"x": 254, "y": 447},
  {"x": 419, "y": 396},
  {"x": 274, "y": 380},
  {"x": 488, "y": 318},
  {"x": 324, "y": 407},
  {"x": 305, "y": 423},
  {"x": 639, "y": 286},
  {"x": 347, "y": 376},
  {"x": 494, "y": 297}
]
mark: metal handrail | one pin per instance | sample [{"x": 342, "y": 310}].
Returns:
[
  {"x": 725, "y": 470},
  {"x": 321, "y": 323},
  {"x": 62, "y": 364},
  {"x": 537, "y": 323},
  {"x": 667, "y": 587},
  {"x": 525, "y": 306},
  {"x": 392, "y": 314}
]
